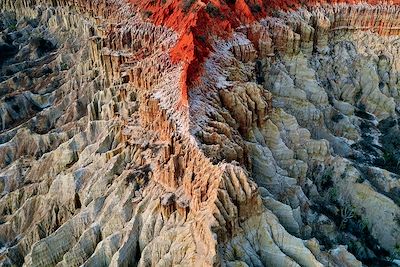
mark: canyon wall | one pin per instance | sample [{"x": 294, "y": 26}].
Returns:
[{"x": 284, "y": 154}]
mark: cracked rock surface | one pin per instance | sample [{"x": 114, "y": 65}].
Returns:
[{"x": 287, "y": 154}]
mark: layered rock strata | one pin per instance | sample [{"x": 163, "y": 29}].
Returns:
[{"x": 286, "y": 154}]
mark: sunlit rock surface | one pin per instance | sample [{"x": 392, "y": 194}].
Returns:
[{"x": 284, "y": 150}]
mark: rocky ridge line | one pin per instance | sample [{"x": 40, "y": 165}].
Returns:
[{"x": 136, "y": 181}]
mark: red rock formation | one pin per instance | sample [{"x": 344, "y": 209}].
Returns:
[
  {"x": 197, "y": 21},
  {"x": 167, "y": 190}
]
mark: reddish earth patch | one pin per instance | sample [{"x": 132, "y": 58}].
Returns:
[{"x": 196, "y": 21}]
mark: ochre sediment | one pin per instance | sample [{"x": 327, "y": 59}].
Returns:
[{"x": 248, "y": 151}]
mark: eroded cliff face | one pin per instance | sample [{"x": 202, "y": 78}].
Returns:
[{"x": 286, "y": 152}]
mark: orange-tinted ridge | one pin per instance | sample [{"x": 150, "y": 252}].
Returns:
[{"x": 196, "y": 21}]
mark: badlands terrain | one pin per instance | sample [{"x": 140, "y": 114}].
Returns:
[{"x": 199, "y": 133}]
